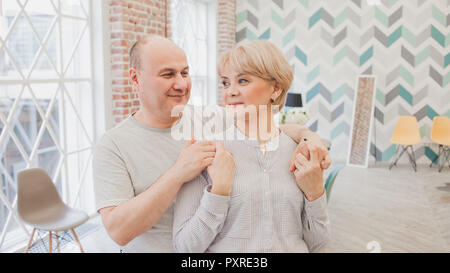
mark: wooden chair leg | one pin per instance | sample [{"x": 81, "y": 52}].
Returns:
[
  {"x": 50, "y": 242},
  {"x": 76, "y": 239},
  {"x": 29, "y": 241}
]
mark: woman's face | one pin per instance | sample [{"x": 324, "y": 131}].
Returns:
[{"x": 244, "y": 92}]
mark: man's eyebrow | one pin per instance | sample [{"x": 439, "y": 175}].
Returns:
[{"x": 168, "y": 69}]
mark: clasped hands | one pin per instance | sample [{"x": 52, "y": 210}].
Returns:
[{"x": 307, "y": 163}]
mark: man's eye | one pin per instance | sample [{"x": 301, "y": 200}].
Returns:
[
  {"x": 185, "y": 73},
  {"x": 168, "y": 75}
]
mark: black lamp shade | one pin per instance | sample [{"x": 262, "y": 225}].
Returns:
[{"x": 294, "y": 100}]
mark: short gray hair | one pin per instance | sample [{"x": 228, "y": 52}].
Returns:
[{"x": 135, "y": 53}]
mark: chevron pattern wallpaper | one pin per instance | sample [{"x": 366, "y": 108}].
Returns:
[{"x": 405, "y": 44}]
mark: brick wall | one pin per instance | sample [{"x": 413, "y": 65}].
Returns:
[
  {"x": 130, "y": 20},
  {"x": 226, "y": 30}
]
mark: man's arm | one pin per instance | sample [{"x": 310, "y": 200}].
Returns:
[
  {"x": 300, "y": 134},
  {"x": 136, "y": 214}
]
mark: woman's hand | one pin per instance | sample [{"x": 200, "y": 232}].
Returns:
[
  {"x": 221, "y": 171},
  {"x": 309, "y": 173}
]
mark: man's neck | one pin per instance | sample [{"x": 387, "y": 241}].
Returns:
[{"x": 148, "y": 119}]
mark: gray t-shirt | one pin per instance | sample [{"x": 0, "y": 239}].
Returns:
[{"x": 128, "y": 159}]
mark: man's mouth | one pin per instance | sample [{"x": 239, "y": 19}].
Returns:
[
  {"x": 235, "y": 104},
  {"x": 177, "y": 96}
]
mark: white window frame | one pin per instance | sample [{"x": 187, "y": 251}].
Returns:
[
  {"x": 210, "y": 98},
  {"x": 212, "y": 51},
  {"x": 102, "y": 67},
  {"x": 98, "y": 23}
]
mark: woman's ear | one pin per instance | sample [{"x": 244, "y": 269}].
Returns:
[{"x": 276, "y": 92}]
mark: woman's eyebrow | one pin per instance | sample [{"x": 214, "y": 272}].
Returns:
[
  {"x": 224, "y": 77},
  {"x": 241, "y": 74}
]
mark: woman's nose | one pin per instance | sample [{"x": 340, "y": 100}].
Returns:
[{"x": 232, "y": 91}]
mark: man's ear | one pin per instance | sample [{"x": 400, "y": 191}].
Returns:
[{"x": 133, "y": 74}]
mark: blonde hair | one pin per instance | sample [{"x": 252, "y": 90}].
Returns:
[{"x": 262, "y": 59}]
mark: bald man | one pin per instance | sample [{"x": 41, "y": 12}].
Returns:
[{"x": 139, "y": 167}]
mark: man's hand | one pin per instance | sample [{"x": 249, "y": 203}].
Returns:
[
  {"x": 222, "y": 171},
  {"x": 193, "y": 159},
  {"x": 309, "y": 174},
  {"x": 304, "y": 147},
  {"x": 299, "y": 133}
]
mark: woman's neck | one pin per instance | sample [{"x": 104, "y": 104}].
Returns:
[{"x": 262, "y": 128}]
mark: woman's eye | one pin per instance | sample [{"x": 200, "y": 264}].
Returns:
[
  {"x": 225, "y": 84},
  {"x": 243, "y": 81}
]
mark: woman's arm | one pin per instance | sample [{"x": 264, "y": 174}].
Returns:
[
  {"x": 199, "y": 216},
  {"x": 201, "y": 209},
  {"x": 315, "y": 223},
  {"x": 309, "y": 178}
]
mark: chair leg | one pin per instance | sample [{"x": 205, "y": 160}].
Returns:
[
  {"x": 50, "y": 249},
  {"x": 437, "y": 157},
  {"x": 57, "y": 242},
  {"x": 446, "y": 154},
  {"x": 29, "y": 241},
  {"x": 78, "y": 241},
  {"x": 413, "y": 161},
  {"x": 397, "y": 157},
  {"x": 411, "y": 157},
  {"x": 394, "y": 161}
]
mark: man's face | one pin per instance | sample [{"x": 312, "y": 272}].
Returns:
[{"x": 163, "y": 80}]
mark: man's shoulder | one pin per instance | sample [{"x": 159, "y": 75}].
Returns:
[
  {"x": 119, "y": 127},
  {"x": 120, "y": 130}
]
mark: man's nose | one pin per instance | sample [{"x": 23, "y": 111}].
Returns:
[{"x": 181, "y": 83}]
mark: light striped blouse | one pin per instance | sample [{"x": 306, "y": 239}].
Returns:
[{"x": 266, "y": 212}]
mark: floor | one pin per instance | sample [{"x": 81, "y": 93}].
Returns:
[
  {"x": 94, "y": 241},
  {"x": 370, "y": 210},
  {"x": 376, "y": 209}
]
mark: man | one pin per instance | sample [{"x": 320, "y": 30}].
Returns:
[{"x": 139, "y": 167}]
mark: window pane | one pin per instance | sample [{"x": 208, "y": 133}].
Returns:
[
  {"x": 189, "y": 31},
  {"x": 46, "y": 100},
  {"x": 76, "y": 48},
  {"x": 25, "y": 39}
]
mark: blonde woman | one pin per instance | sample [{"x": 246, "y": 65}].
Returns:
[{"x": 259, "y": 205}]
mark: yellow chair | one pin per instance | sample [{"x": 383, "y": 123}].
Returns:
[
  {"x": 406, "y": 134},
  {"x": 440, "y": 133}
]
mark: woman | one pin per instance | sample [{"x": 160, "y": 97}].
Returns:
[{"x": 240, "y": 204}]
